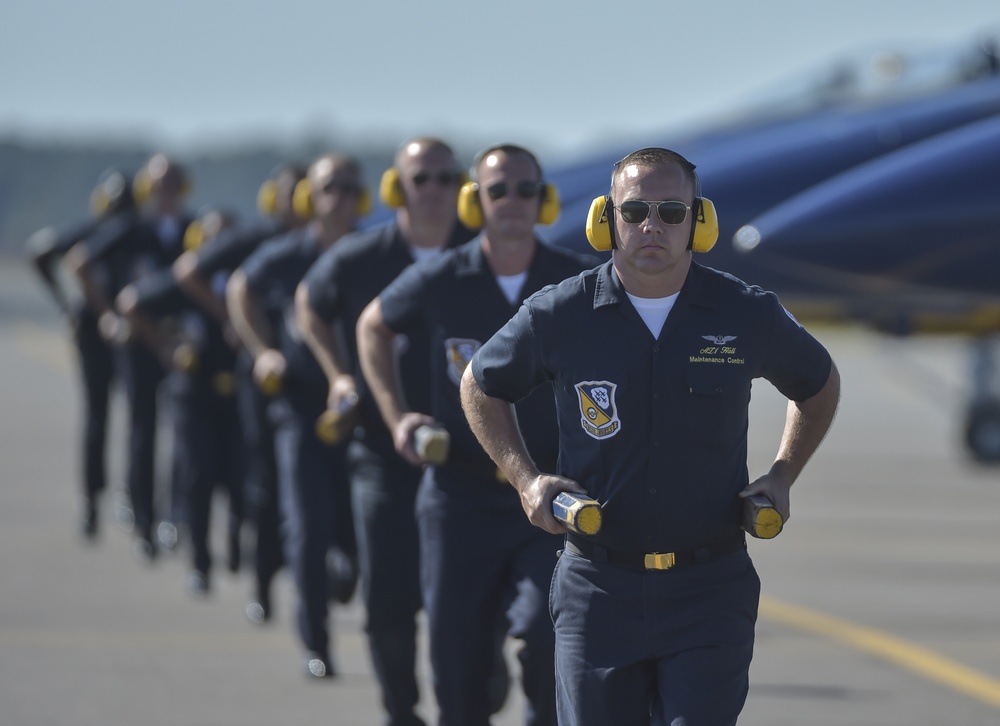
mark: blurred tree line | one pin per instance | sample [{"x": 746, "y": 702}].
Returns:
[{"x": 45, "y": 183}]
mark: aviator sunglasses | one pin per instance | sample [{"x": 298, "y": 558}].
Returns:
[
  {"x": 636, "y": 211},
  {"x": 524, "y": 189},
  {"x": 343, "y": 187},
  {"x": 444, "y": 178}
]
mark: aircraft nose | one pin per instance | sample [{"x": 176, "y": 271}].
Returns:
[{"x": 746, "y": 238}]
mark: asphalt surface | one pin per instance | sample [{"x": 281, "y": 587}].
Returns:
[{"x": 881, "y": 605}]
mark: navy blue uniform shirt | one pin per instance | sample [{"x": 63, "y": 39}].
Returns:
[
  {"x": 350, "y": 275},
  {"x": 160, "y": 297},
  {"x": 233, "y": 246},
  {"x": 65, "y": 240},
  {"x": 457, "y": 297},
  {"x": 654, "y": 429},
  {"x": 273, "y": 272},
  {"x": 128, "y": 248}
]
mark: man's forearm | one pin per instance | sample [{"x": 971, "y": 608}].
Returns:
[
  {"x": 806, "y": 424},
  {"x": 494, "y": 423},
  {"x": 78, "y": 262},
  {"x": 378, "y": 363},
  {"x": 197, "y": 288},
  {"x": 319, "y": 336},
  {"x": 247, "y": 319}
]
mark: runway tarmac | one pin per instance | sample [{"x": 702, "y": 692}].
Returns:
[{"x": 881, "y": 597}]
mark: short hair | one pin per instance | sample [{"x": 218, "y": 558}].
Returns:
[
  {"x": 427, "y": 142},
  {"x": 161, "y": 167},
  {"x": 337, "y": 160},
  {"x": 288, "y": 172},
  {"x": 655, "y": 157},
  {"x": 507, "y": 149}
]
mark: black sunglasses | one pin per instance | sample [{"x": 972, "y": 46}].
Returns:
[
  {"x": 636, "y": 211},
  {"x": 343, "y": 187},
  {"x": 524, "y": 189},
  {"x": 444, "y": 178}
]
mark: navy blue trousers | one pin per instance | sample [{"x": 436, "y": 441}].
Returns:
[
  {"x": 208, "y": 451},
  {"x": 142, "y": 376},
  {"x": 481, "y": 561},
  {"x": 384, "y": 492},
  {"x": 635, "y": 648},
  {"x": 97, "y": 372},
  {"x": 260, "y": 483},
  {"x": 314, "y": 495}
]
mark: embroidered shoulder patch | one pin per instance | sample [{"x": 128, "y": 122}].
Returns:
[
  {"x": 459, "y": 352},
  {"x": 598, "y": 412}
]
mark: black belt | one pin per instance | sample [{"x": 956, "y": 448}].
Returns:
[{"x": 653, "y": 560}]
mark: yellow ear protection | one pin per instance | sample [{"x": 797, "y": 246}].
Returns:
[
  {"x": 267, "y": 195},
  {"x": 142, "y": 185},
  {"x": 110, "y": 194},
  {"x": 390, "y": 189},
  {"x": 704, "y": 231},
  {"x": 303, "y": 206},
  {"x": 470, "y": 211},
  {"x": 267, "y": 198},
  {"x": 194, "y": 236},
  {"x": 211, "y": 221}
]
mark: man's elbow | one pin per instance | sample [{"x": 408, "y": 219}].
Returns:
[
  {"x": 370, "y": 326},
  {"x": 832, "y": 387},
  {"x": 78, "y": 259},
  {"x": 184, "y": 270},
  {"x": 824, "y": 403},
  {"x": 236, "y": 289},
  {"x": 471, "y": 393},
  {"x": 127, "y": 302},
  {"x": 305, "y": 317}
]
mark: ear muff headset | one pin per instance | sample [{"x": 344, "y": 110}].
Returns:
[
  {"x": 194, "y": 236},
  {"x": 470, "y": 211},
  {"x": 704, "y": 231},
  {"x": 269, "y": 195},
  {"x": 390, "y": 189},
  {"x": 303, "y": 206},
  {"x": 142, "y": 186},
  {"x": 267, "y": 198},
  {"x": 110, "y": 194},
  {"x": 600, "y": 226}
]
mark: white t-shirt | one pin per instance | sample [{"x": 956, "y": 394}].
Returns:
[
  {"x": 168, "y": 229},
  {"x": 654, "y": 310},
  {"x": 511, "y": 285}
]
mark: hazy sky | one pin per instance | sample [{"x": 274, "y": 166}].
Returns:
[{"x": 552, "y": 74}]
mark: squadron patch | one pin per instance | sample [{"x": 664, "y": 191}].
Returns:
[
  {"x": 459, "y": 352},
  {"x": 598, "y": 412}
]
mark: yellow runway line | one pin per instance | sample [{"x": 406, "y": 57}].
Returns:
[{"x": 914, "y": 658}]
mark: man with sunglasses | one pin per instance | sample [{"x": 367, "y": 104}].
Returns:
[
  {"x": 312, "y": 484},
  {"x": 114, "y": 257},
  {"x": 652, "y": 357},
  {"x": 202, "y": 274},
  {"x": 479, "y": 557},
  {"x": 423, "y": 187}
]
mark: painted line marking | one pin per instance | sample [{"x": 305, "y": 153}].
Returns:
[{"x": 911, "y": 657}]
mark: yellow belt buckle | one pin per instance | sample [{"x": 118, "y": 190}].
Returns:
[{"x": 659, "y": 560}]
